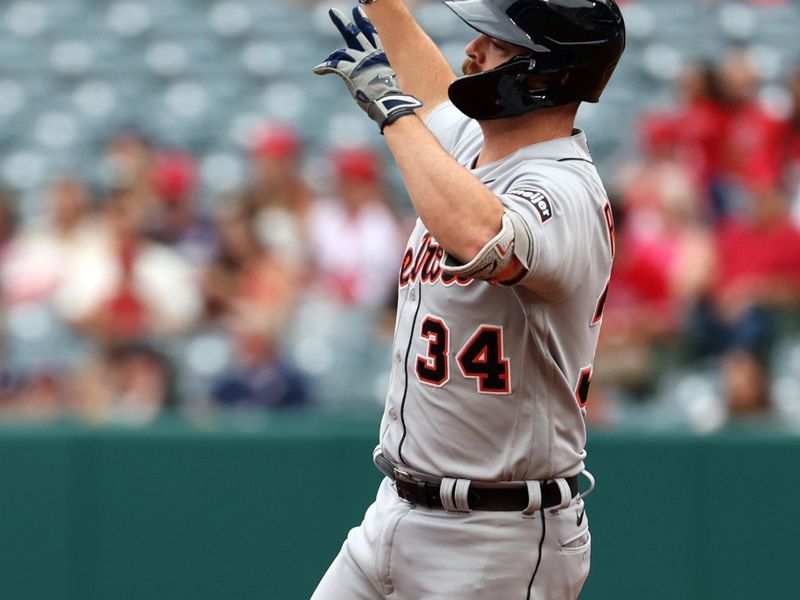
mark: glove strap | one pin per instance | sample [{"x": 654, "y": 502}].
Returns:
[{"x": 385, "y": 111}]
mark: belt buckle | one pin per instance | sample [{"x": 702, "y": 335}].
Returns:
[
  {"x": 402, "y": 475},
  {"x": 420, "y": 493}
]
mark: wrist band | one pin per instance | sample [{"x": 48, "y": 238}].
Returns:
[{"x": 367, "y": 1}]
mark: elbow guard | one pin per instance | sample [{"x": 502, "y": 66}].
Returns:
[{"x": 495, "y": 261}]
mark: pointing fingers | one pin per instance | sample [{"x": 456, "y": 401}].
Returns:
[
  {"x": 354, "y": 37},
  {"x": 367, "y": 28}
]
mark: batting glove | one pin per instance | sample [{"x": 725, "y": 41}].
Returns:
[{"x": 366, "y": 71}]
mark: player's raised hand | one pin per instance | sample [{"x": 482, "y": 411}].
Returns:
[{"x": 363, "y": 66}]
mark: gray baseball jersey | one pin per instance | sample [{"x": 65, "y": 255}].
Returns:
[{"x": 489, "y": 382}]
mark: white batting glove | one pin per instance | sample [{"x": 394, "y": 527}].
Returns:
[{"x": 366, "y": 71}]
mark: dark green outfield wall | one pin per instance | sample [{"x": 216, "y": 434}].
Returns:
[{"x": 175, "y": 512}]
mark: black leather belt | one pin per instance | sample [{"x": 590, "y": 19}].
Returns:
[{"x": 479, "y": 497}]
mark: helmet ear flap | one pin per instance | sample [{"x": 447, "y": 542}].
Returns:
[
  {"x": 519, "y": 86},
  {"x": 540, "y": 83},
  {"x": 493, "y": 94}
]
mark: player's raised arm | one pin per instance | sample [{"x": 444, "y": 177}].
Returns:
[
  {"x": 464, "y": 215},
  {"x": 512, "y": 86},
  {"x": 457, "y": 208},
  {"x": 461, "y": 212},
  {"x": 422, "y": 70}
]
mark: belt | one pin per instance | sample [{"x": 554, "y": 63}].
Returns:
[{"x": 491, "y": 497}]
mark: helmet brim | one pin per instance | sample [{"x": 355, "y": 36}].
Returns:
[{"x": 489, "y": 20}]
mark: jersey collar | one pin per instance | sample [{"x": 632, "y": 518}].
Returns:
[{"x": 573, "y": 147}]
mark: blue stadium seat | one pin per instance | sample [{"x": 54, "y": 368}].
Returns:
[{"x": 22, "y": 56}]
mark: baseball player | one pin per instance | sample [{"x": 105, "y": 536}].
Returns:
[{"x": 501, "y": 294}]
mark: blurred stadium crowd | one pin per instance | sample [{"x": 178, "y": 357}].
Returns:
[
  {"x": 191, "y": 220},
  {"x": 125, "y": 299}
]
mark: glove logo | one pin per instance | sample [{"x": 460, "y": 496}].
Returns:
[{"x": 387, "y": 80}]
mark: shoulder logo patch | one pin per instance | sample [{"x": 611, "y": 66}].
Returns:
[{"x": 539, "y": 201}]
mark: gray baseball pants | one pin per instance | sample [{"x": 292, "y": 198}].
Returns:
[{"x": 401, "y": 552}]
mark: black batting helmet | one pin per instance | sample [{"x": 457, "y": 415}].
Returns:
[{"x": 574, "y": 44}]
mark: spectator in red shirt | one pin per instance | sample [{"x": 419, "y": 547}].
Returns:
[
  {"x": 691, "y": 132},
  {"x": 791, "y": 145},
  {"x": 751, "y": 162},
  {"x": 700, "y": 122},
  {"x": 731, "y": 145},
  {"x": 758, "y": 271},
  {"x": 664, "y": 259}
]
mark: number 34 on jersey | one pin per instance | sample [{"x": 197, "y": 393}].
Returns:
[{"x": 482, "y": 358}]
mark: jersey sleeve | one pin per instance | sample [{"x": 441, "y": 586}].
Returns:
[
  {"x": 450, "y": 126},
  {"x": 562, "y": 220}
]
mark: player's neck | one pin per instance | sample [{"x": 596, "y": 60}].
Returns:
[{"x": 503, "y": 137}]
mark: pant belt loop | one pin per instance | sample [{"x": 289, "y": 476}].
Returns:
[
  {"x": 461, "y": 495},
  {"x": 534, "y": 498},
  {"x": 566, "y": 493},
  {"x": 590, "y": 478},
  {"x": 446, "y": 492}
]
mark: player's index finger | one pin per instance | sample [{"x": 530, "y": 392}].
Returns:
[
  {"x": 366, "y": 27},
  {"x": 347, "y": 29}
]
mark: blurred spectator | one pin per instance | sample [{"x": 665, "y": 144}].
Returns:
[
  {"x": 260, "y": 378},
  {"x": 355, "y": 236},
  {"x": 121, "y": 286},
  {"x": 128, "y": 165},
  {"x": 751, "y": 141},
  {"x": 35, "y": 265},
  {"x": 246, "y": 278},
  {"x": 278, "y": 198},
  {"x": 41, "y": 396},
  {"x": 127, "y": 383},
  {"x": 8, "y": 218},
  {"x": 664, "y": 261},
  {"x": 252, "y": 292},
  {"x": 39, "y": 258},
  {"x": 720, "y": 132},
  {"x": 757, "y": 271},
  {"x": 691, "y": 132},
  {"x": 791, "y": 145},
  {"x": 7, "y": 393},
  {"x": 178, "y": 222}
]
